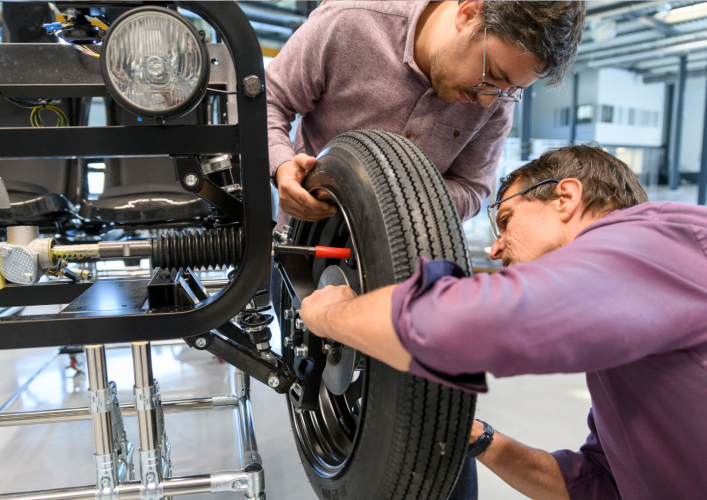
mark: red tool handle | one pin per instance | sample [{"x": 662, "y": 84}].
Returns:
[{"x": 333, "y": 253}]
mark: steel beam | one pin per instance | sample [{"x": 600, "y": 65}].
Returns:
[
  {"x": 526, "y": 123},
  {"x": 702, "y": 178},
  {"x": 575, "y": 105},
  {"x": 677, "y": 124}
]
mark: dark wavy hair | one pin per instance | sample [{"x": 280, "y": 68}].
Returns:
[
  {"x": 550, "y": 31},
  {"x": 608, "y": 184}
]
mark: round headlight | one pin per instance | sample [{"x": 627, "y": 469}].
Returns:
[{"x": 155, "y": 63}]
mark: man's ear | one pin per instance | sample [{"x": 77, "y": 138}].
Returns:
[
  {"x": 570, "y": 201},
  {"x": 467, "y": 13}
]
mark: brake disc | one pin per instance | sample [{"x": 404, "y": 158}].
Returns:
[{"x": 341, "y": 363}]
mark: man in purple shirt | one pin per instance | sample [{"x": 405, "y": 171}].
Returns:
[
  {"x": 410, "y": 68},
  {"x": 597, "y": 280}
]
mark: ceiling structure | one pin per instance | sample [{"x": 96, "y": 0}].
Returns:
[{"x": 645, "y": 37}]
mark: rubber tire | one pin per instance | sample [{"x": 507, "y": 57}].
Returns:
[{"x": 413, "y": 439}]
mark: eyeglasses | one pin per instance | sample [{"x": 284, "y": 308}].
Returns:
[
  {"x": 512, "y": 94},
  {"x": 493, "y": 209}
]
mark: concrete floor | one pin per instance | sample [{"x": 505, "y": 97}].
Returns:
[{"x": 546, "y": 412}]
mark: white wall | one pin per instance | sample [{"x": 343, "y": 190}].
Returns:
[
  {"x": 546, "y": 105},
  {"x": 626, "y": 92},
  {"x": 692, "y": 125}
]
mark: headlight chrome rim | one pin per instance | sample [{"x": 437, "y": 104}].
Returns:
[{"x": 160, "y": 115}]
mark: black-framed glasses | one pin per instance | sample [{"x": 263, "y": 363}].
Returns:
[
  {"x": 493, "y": 209},
  {"x": 512, "y": 94}
]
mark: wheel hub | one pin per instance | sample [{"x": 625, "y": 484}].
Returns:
[{"x": 342, "y": 361}]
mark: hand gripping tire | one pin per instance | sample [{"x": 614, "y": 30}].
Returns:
[{"x": 391, "y": 435}]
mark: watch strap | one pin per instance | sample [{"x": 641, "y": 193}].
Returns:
[{"x": 481, "y": 445}]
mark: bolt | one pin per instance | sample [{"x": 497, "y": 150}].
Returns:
[
  {"x": 290, "y": 313},
  {"x": 102, "y": 33},
  {"x": 202, "y": 33},
  {"x": 299, "y": 410},
  {"x": 273, "y": 380},
  {"x": 191, "y": 180},
  {"x": 236, "y": 485},
  {"x": 200, "y": 342},
  {"x": 289, "y": 342},
  {"x": 301, "y": 351},
  {"x": 328, "y": 349},
  {"x": 299, "y": 324}
]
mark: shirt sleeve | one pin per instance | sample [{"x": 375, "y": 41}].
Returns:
[
  {"x": 471, "y": 174},
  {"x": 587, "y": 473},
  {"x": 296, "y": 79},
  {"x": 599, "y": 302}
]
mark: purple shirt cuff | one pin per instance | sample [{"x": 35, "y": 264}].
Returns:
[
  {"x": 587, "y": 473},
  {"x": 404, "y": 296}
]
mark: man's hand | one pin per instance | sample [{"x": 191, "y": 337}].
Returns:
[
  {"x": 316, "y": 307},
  {"x": 364, "y": 323},
  {"x": 295, "y": 201}
]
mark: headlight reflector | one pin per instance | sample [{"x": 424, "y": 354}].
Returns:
[{"x": 155, "y": 63}]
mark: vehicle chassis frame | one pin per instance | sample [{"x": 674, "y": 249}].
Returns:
[{"x": 203, "y": 321}]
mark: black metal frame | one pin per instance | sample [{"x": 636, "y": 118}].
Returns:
[{"x": 249, "y": 139}]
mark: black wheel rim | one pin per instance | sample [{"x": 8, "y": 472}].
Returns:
[{"x": 328, "y": 436}]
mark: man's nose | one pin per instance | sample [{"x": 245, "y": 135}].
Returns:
[{"x": 497, "y": 249}]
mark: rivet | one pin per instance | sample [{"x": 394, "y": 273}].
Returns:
[
  {"x": 456, "y": 133},
  {"x": 408, "y": 134}
]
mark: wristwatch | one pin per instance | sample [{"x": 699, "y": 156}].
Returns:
[{"x": 481, "y": 445}]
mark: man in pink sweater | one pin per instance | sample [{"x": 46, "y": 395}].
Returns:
[{"x": 443, "y": 74}]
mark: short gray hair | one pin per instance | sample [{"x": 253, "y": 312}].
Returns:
[{"x": 608, "y": 184}]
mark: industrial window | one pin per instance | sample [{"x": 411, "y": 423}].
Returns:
[
  {"x": 566, "y": 117},
  {"x": 585, "y": 113},
  {"x": 607, "y": 114}
]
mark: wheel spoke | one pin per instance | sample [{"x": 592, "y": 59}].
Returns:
[{"x": 354, "y": 392}]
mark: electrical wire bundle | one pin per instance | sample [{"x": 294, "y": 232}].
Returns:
[
  {"x": 37, "y": 106},
  {"x": 86, "y": 50}
]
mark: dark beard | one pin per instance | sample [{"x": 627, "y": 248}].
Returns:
[{"x": 441, "y": 83}]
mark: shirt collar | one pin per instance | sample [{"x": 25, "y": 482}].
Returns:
[{"x": 409, "y": 55}]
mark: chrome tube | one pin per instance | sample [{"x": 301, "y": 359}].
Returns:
[
  {"x": 98, "y": 383},
  {"x": 105, "y": 250},
  {"x": 226, "y": 402},
  {"x": 247, "y": 445},
  {"x": 147, "y": 418},
  {"x": 174, "y": 486}
]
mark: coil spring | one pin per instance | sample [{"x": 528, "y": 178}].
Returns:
[{"x": 221, "y": 247}]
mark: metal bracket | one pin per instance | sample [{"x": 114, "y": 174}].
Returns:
[
  {"x": 126, "y": 469},
  {"x": 188, "y": 171},
  {"x": 151, "y": 487},
  {"x": 145, "y": 397},
  {"x": 106, "y": 476},
  {"x": 4, "y": 197},
  {"x": 228, "y": 481},
  {"x": 100, "y": 401},
  {"x": 224, "y": 402}
]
